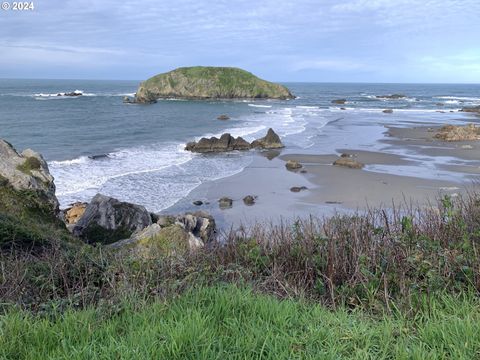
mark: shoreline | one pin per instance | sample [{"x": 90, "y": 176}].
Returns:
[{"x": 333, "y": 189}]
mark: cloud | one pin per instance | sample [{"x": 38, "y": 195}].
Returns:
[{"x": 278, "y": 39}]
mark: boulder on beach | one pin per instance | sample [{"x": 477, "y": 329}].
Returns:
[
  {"x": 458, "y": 133},
  {"x": 223, "y": 117},
  {"x": 249, "y": 200},
  {"x": 229, "y": 143},
  {"x": 269, "y": 141},
  {"x": 296, "y": 189},
  {"x": 107, "y": 220},
  {"x": 225, "y": 203},
  {"x": 339, "y": 101},
  {"x": 348, "y": 162},
  {"x": 293, "y": 165},
  {"x": 209, "y": 82}
]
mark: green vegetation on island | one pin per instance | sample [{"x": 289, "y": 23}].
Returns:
[{"x": 208, "y": 82}]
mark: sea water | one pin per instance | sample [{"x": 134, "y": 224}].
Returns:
[{"x": 94, "y": 143}]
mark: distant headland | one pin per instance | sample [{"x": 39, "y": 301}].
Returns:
[{"x": 208, "y": 82}]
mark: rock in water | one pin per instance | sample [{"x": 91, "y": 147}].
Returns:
[
  {"x": 269, "y": 141},
  {"x": 27, "y": 171},
  {"x": 228, "y": 143},
  {"x": 391, "y": 97},
  {"x": 474, "y": 109},
  {"x": 293, "y": 165},
  {"x": 208, "y": 82},
  {"x": 107, "y": 220}
]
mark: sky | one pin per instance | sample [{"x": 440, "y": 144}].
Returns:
[{"x": 302, "y": 40}]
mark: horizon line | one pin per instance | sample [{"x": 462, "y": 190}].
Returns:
[{"x": 277, "y": 81}]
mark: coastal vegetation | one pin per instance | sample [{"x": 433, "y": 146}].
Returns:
[
  {"x": 400, "y": 282},
  {"x": 208, "y": 82}
]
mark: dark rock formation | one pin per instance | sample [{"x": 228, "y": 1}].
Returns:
[
  {"x": 298, "y": 188},
  {"x": 107, "y": 220},
  {"x": 269, "y": 141},
  {"x": 391, "y": 97},
  {"x": 474, "y": 109},
  {"x": 228, "y": 143}
]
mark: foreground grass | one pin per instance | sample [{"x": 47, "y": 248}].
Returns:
[{"x": 233, "y": 323}]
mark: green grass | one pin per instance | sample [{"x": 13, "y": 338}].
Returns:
[{"x": 232, "y": 323}]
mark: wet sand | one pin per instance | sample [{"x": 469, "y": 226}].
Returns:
[{"x": 332, "y": 189}]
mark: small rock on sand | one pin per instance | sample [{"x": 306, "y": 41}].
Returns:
[
  {"x": 249, "y": 200},
  {"x": 298, "y": 188},
  {"x": 293, "y": 165},
  {"x": 348, "y": 162}
]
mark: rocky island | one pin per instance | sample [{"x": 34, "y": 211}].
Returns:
[{"x": 208, "y": 82}]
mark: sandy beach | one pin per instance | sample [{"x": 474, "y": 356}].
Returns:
[{"x": 412, "y": 168}]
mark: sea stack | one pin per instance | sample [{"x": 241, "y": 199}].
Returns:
[{"x": 208, "y": 82}]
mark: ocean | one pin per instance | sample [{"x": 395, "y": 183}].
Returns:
[{"x": 139, "y": 149}]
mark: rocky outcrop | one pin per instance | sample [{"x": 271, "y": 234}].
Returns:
[
  {"x": 458, "y": 133},
  {"x": 200, "y": 224},
  {"x": 27, "y": 171},
  {"x": 226, "y": 143},
  {"x": 391, "y": 97},
  {"x": 208, "y": 82},
  {"x": 171, "y": 234},
  {"x": 293, "y": 165},
  {"x": 349, "y": 162},
  {"x": 269, "y": 141},
  {"x": 474, "y": 109},
  {"x": 229, "y": 143},
  {"x": 107, "y": 220},
  {"x": 73, "y": 213}
]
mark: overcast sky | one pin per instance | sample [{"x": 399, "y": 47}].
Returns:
[{"x": 299, "y": 40}]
